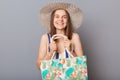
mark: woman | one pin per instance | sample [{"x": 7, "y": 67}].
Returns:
[{"x": 64, "y": 17}]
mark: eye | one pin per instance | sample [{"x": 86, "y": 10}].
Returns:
[
  {"x": 65, "y": 17},
  {"x": 56, "y": 16}
]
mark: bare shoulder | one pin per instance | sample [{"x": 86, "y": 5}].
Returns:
[
  {"x": 44, "y": 37},
  {"x": 75, "y": 36}
]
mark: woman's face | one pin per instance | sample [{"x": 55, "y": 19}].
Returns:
[{"x": 60, "y": 19}]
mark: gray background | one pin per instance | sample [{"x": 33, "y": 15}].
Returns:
[{"x": 20, "y": 32}]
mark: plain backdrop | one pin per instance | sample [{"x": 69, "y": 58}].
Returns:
[{"x": 20, "y": 32}]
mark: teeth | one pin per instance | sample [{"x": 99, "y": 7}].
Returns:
[{"x": 60, "y": 23}]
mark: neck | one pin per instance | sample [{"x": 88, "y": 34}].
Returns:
[{"x": 60, "y": 31}]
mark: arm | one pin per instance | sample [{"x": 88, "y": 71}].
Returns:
[
  {"x": 42, "y": 50},
  {"x": 77, "y": 45},
  {"x": 43, "y": 53}
]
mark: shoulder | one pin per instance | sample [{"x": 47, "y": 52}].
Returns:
[
  {"x": 44, "y": 37},
  {"x": 75, "y": 36}
]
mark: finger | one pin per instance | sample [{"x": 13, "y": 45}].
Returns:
[{"x": 66, "y": 39}]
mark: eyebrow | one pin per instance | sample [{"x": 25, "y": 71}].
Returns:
[{"x": 58, "y": 15}]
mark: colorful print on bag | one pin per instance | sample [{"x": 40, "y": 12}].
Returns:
[{"x": 64, "y": 69}]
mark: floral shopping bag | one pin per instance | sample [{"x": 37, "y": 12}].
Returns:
[
  {"x": 64, "y": 69},
  {"x": 74, "y": 68}
]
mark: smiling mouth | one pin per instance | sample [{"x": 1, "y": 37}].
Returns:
[{"x": 60, "y": 23}]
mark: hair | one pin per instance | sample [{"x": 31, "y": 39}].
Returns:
[{"x": 68, "y": 29}]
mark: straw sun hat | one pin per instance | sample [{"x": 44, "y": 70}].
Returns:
[{"x": 76, "y": 14}]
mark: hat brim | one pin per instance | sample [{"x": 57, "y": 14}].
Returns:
[{"x": 76, "y": 14}]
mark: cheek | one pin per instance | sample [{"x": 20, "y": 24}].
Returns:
[
  {"x": 65, "y": 21},
  {"x": 54, "y": 20}
]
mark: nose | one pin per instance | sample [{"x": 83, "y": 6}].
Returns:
[{"x": 60, "y": 18}]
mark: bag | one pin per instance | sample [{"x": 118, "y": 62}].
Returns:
[{"x": 74, "y": 68}]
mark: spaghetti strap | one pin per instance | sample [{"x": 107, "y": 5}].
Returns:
[
  {"x": 57, "y": 55},
  {"x": 66, "y": 53},
  {"x": 48, "y": 41}
]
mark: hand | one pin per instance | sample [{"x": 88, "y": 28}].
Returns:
[
  {"x": 53, "y": 47},
  {"x": 67, "y": 43}
]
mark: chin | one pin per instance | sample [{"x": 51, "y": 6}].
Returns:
[{"x": 59, "y": 27}]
